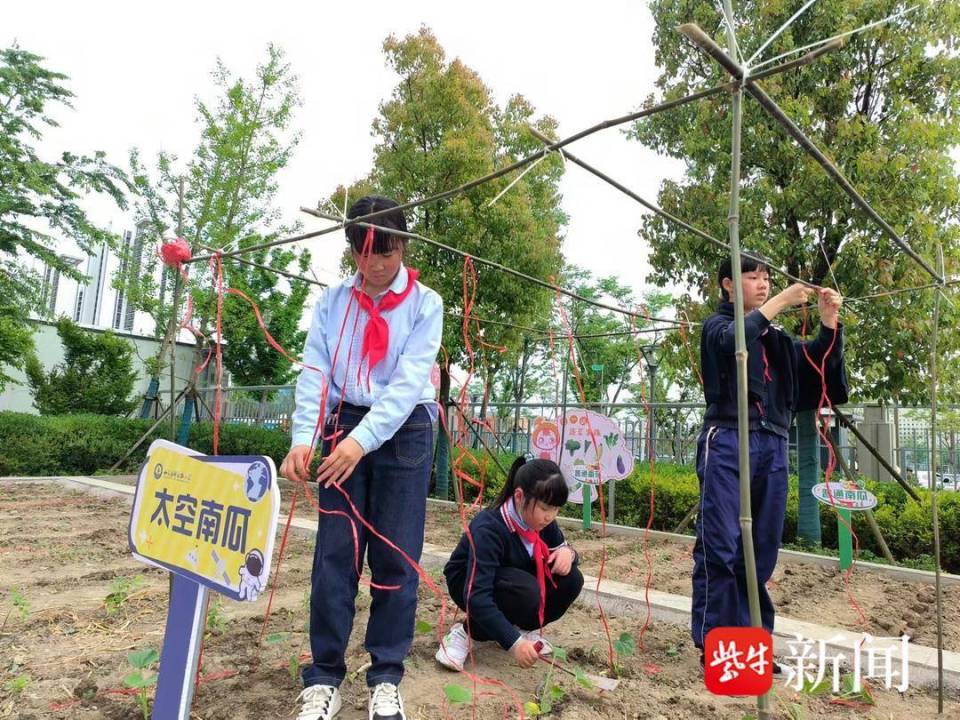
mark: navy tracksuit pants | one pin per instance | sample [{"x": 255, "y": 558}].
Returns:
[{"x": 719, "y": 578}]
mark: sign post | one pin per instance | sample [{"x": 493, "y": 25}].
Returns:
[
  {"x": 593, "y": 452},
  {"x": 211, "y": 521},
  {"x": 844, "y": 496}
]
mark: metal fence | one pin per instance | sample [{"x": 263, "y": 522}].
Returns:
[{"x": 507, "y": 427}]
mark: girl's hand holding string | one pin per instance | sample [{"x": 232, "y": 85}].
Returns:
[
  {"x": 561, "y": 560},
  {"x": 340, "y": 464},
  {"x": 525, "y": 653},
  {"x": 296, "y": 465}
]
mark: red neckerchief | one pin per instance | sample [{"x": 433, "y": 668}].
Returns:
[
  {"x": 376, "y": 336},
  {"x": 541, "y": 556}
]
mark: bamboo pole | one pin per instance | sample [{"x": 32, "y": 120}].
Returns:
[
  {"x": 743, "y": 414},
  {"x": 933, "y": 485},
  {"x": 143, "y": 437},
  {"x": 696, "y": 35},
  {"x": 460, "y": 189},
  {"x": 846, "y": 421},
  {"x": 502, "y": 268},
  {"x": 663, "y": 213}
]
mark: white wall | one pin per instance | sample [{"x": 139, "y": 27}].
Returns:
[{"x": 17, "y": 397}]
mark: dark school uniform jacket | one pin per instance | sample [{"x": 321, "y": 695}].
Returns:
[
  {"x": 498, "y": 545},
  {"x": 781, "y": 380}
]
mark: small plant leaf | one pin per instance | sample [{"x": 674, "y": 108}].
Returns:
[
  {"x": 583, "y": 680},
  {"x": 560, "y": 654},
  {"x": 531, "y": 708},
  {"x": 457, "y": 693},
  {"x": 136, "y": 680},
  {"x": 625, "y": 645},
  {"x": 423, "y": 627},
  {"x": 141, "y": 659}
]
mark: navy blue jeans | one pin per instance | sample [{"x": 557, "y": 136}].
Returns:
[
  {"x": 389, "y": 488},
  {"x": 719, "y": 572}
]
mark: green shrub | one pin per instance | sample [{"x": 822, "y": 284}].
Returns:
[
  {"x": 906, "y": 525},
  {"x": 33, "y": 445}
]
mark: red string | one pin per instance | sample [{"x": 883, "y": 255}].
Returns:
[
  {"x": 823, "y": 430},
  {"x": 651, "y": 458},
  {"x": 603, "y": 513},
  {"x": 217, "y": 262}
]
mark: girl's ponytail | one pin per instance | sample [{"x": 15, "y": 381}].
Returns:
[
  {"x": 511, "y": 482},
  {"x": 539, "y": 479}
]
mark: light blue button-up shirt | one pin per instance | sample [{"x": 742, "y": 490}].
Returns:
[{"x": 398, "y": 383}]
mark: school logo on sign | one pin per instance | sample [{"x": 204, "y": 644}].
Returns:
[{"x": 211, "y": 519}]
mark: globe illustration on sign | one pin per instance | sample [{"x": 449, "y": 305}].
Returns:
[{"x": 258, "y": 480}]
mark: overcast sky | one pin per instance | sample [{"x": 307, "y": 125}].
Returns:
[{"x": 136, "y": 68}]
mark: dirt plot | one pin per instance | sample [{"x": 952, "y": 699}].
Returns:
[
  {"x": 865, "y": 601},
  {"x": 74, "y": 604}
]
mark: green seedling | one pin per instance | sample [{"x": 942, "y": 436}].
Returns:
[
  {"x": 18, "y": 684},
  {"x": 457, "y": 694},
  {"x": 216, "y": 618},
  {"x": 20, "y": 603},
  {"x": 625, "y": 645},
  {"x": 423, "y": 627},
  {"x": 120, "y": 591},
  {"x": 850, "y": 694},
  {"x": 583, "y": 679},
  {"x": 293, "y": 659},
  {"x": 141, "y": 679}
]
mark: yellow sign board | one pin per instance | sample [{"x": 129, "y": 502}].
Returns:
[{"x": 209, "y": 518}]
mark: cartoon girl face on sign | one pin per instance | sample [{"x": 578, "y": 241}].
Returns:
[{"x": 545, "y": 438}]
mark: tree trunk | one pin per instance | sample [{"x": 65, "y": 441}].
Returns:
[
  {"x": 442, "y": 455},
  {"x": 808, "y": 471}
]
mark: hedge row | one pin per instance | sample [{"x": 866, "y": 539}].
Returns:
[
  {"x": 86, "y": 444},
  {"x": 905, "y": 524}
]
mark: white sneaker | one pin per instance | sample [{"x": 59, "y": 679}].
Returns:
[
  {"x": 455, "y": 648},
  {"x": 386, "y": 703},
  {"x": 319, "y": 702},
  {"x": 535, "y": 636}
]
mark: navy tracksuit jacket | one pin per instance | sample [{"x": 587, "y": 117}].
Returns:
[{"x": 781, "y": 382}]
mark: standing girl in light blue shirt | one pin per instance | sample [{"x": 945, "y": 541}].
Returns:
[{"x": 371, "y": 346}]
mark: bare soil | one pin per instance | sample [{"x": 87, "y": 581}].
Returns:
[{"x": 63, "y": 650}]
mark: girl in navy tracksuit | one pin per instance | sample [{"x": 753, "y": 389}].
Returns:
[
  {"x": 524, "y": 575},
  {"x": 781, "y": 381}
]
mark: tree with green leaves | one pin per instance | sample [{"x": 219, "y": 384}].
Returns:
[
  {"x": 885, "y": 109},
  {"x": 96, "y": 375},
  {"x": 221, "y": 199},
  {"x": 440, "y": 128},
  {"x": 607, "y": 351},
  {"x": 39, "y": 198}
]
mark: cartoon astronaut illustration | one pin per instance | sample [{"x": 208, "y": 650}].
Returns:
[{"x": 252, "y": 581}]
